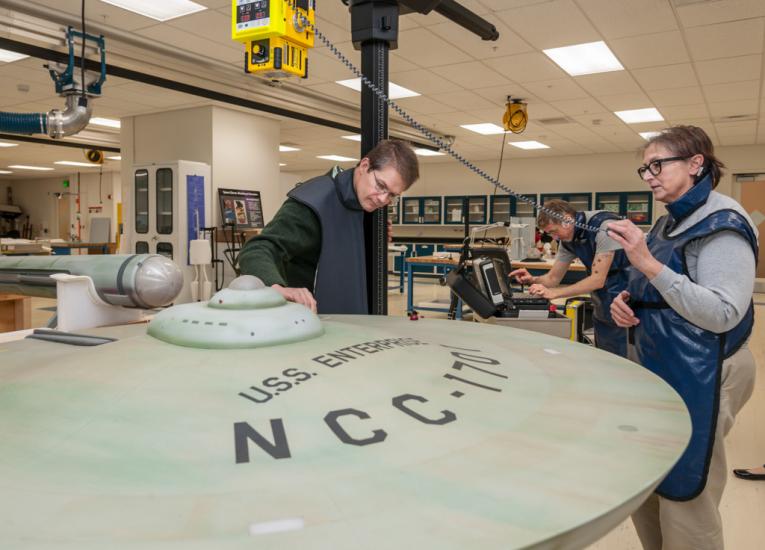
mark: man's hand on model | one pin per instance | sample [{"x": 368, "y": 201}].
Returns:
[
  {"x": 297, "y": 295},
  {"x": 522, "y": 276},
  {"x": 543, "y": 291}
]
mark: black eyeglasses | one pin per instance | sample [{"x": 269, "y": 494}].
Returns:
[
  {"x": 655, "y": 166},
  {"x": 382, "y": 189}
]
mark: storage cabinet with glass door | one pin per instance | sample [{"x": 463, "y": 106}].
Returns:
[
  {"x": 636, "y": 206},
  {"x": 504, "y": 207},
  {"x": 421, "y": 210},
  {"x": 393, "y": 211},
  {"x": 476, "y": 206}
]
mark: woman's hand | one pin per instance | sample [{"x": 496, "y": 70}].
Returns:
[
  {"x": 621, "y": 313},
  {"x": 633, "y": 242}
]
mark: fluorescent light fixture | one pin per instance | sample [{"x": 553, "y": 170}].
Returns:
[
  {"x": 648, "y": 135},
  {"x": 636, "y": 116},
  {"x": 287, "y": 149},
  {"x": 110, "y": 122},
  {"x": 26, "y": 167},
  {"x": 282, "y": 164},
  {"x": 528, "y": 145},
  {"x": 118, "y": 157},
  {"x": 161, "y": 11},
  {"x": 589, "y": 58},
  {"x": 354, "y": 137},
  {"x": 5, "y": 172},
  {"x": 485, "y": 128},
  {"x": 6, "y": 144},
  {"x": 7, "y": 56},
  {"x": 336, "y": 158},
  {"x": 394, "y": 90},
  {"x": 75, "y": 163},
  {"x": 428, "y": 153}
]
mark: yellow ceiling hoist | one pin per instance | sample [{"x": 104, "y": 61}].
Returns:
[{"x": 275, "y": 39}]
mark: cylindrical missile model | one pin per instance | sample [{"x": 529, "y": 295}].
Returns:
[{"x": 138, "y": 280}]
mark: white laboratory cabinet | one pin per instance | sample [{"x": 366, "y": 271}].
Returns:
[{"x": 170, "y": 202}]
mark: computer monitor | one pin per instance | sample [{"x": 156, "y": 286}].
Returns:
[{"x": 241, "y": 208}]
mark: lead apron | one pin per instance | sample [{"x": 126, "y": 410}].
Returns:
[
  {"x": 687, "y": 357},
  {"x": 340, "y": 285},
  {"x": 608, "y": 336}
]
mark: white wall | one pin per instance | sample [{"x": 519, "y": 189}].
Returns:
[
  {"x": 36, "y": 197},
  {"x": 545, "y": 174}
]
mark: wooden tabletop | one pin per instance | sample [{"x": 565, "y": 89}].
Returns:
[{"x": 454, "y": 260}]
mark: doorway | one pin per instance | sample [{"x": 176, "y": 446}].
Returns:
[{"x": 752, "y": 193}]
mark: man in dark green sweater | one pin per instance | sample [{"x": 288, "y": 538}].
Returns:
[{"x": 312, "y": 251}]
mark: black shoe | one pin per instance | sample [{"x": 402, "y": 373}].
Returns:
[{"x": 746, "y": 474}]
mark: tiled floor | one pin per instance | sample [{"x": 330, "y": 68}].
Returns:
[{"x": 743, "y": 504}]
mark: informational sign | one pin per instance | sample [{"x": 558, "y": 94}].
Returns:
[
  {"x": 195, "y": 209},
  {"x": 241, "y": 208}
]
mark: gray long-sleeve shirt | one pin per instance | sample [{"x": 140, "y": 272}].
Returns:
[{"x": 722, "y": 271}]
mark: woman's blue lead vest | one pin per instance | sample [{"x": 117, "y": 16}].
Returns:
[
  {"x": 608, "y": 336},
  {"x": 687, "y": 357},
  {"x": 341, "y": 275}
]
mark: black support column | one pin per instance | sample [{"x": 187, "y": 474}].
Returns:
[{"x": 374, "y": 25}]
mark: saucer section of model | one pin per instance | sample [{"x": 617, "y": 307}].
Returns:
[
  {"x": 381, "y": 432},
  {"x": 236, "y": 318}
]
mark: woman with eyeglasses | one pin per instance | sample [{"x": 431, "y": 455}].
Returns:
[{"x": 689, "y": 309}]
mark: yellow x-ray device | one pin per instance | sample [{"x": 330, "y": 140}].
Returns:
[{"x": 275, "y": 35}]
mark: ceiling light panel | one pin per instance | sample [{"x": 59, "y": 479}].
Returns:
[
  {"x": 336, "y": 158},
  {"x": 485, "y": 128},
  {"x": 163, "y": 10},
  {"x": 428, "y": 153},
  {"x": 394, "y": 90},
  {"x": 581, "y": 59},
  {"x": 636, "y": 116},
  {"x": 75, "y": 163},
  {"x": 528, "y": 145},
  {"x": 28, "y": 167},
  {"x": 109, "y": 122},
  {"x": 287, "y": 149},
  {"x": 7, "y": 56}
]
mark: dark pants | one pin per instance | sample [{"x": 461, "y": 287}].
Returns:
[{"x": 609, "y": 337}]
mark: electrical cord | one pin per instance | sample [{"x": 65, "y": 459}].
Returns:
[{"x": 428, "y": 134}]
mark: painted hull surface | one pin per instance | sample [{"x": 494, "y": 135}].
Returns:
[{"x": 380, "y": 433}]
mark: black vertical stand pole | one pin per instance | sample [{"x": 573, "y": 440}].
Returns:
[
  {"x": 464, "y": 256},
  {"x": 374, "y": 25}
]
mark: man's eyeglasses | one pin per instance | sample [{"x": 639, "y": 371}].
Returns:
[
  {"x": 382, "y": 189},
  {"x": 655, "y": 166}
]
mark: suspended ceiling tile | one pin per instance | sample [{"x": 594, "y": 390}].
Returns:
[
  {"x": 617, "y": 82},
  {"x": 742, "y": 128},
  {"x": 509, "y": 43},
  {"x": 426, "y": 49},
  {"x": 463, "y": 99},
  {"x": 599, "y": 120},
  {"x": 649, "y": 50},
  {"x": 423, "y": 81},
  {"x": 207, "y": 24},
  {"x": 192, "y": 44},
  {"x": 732, "y": 91},
  {"x": 424, "y": 105},
  {"x": 336, "y": 91},
  {"x": 325, "y": 67},
  {"x": 527, "y": 67},
  {"x": 745, "y": 107},
  {"x": 103, "y": 13},
  {"x": 550, "y": 24},
  {"x": 726, "y": 39},
  {"x": 397, "y": 62},
  {"x": 677, "y": 96},
  {"x": 620, "y": 18},
  {"x": 556, "y": 90},
  {"x": 331, "y": 27},
  {"x": 668, "y": 76},
  {"x": 582, "y": 106},
  {"x": 744, "y": 139},
  {"x": 719, "y": 11},
  {"x": 685, "y": 111},
  {"x": 729, "y": 69},
  {"x": 623, "y": 102},
  {"x": 470, "y": 75},
  {"x": 498, "y": 94}
]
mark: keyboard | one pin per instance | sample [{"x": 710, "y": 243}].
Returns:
[{"x": 527, "y": 301}]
